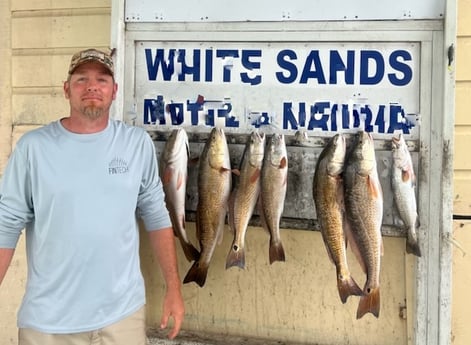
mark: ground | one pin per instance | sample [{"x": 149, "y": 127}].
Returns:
[{"x": 158, "y": 337}]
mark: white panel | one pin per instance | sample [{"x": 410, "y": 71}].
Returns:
[
  {"x": 319, "y": 87},
  {"x": 268, "y": 10}
]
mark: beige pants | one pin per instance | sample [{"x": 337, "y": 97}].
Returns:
[{"x": 125, "y": 332}]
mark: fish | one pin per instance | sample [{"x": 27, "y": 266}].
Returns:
[
  {"x": 364, "y": 214},
  {"x": 173, "y": 168},
  {"x": 274, "y": 181},
  {"x": 403, "y": 189},
  {"x": 328, "y": 197},
  {"x": 214, "y": 187},
  {"x": 244, "y": 197}
]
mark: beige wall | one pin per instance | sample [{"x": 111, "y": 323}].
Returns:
[
  {"x": 461, "y": 313},
  {"x": 296, "y": 300}
]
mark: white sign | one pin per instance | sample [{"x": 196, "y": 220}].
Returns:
[
  {"x": 269, "y": 10},
  {"x": 317, "y": 87}
]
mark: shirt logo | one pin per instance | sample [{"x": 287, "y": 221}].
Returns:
[{"x": 118, "y": 166}]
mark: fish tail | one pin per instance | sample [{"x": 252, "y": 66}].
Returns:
[
  {"x": 236, "y": 257},
  {"x": 369, "y": 303},
  {"x": 348, "y": 287},
  {"x": 276, "y": 252},
  {"x": 191, "y": 253},
  {"x": 412, "y": 245},
  {"x": 197, "y": 273}
]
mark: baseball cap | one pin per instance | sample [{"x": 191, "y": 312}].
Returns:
[{"x": 89, "y": 55}]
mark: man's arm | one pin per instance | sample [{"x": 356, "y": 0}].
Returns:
[
  {"x": 163, "y": 245},
  {"x": 6, "y": 254}
]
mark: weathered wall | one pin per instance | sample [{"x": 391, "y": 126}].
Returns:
[
  {"x": 295, "y": 300},
  {"x": 37, "y": 39}
]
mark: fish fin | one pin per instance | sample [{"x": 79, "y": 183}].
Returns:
[
  {"x": 276, "y": 252},
  {"x": 283, "y": 163},
  {"x": 167, "y": 175},
  {"x": 412, "y": 245},
  {"x": 230, "y": 213},
  {"x": 349, "y": 238},
  {"x": 197, "y": 273},
  {"x": 263, "y": 219},
  {"x": 255, "y": 176},
  {"x": 236, "y": 172},
  {"x": 224, "y": 169},
  {"x": 220, "y": 234},
  {"x": 406, "y": 175},
  {"x": 236, "y": 257},
  {"x": 180, "y": 180},
  {"x": 193, "y": 161},
  {"x": 191, "y": 253},
  {"x": 374, "y": 187},
  {"x": 369, "y": 303},
  {"x": 347, "y": 286}
]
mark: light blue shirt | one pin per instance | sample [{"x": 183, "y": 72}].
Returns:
[{"x": 78, "y": 195}]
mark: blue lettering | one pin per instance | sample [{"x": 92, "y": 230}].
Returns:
[
  {"x": 153, "y": 64},
  {"x": 287, "y": 65},
  {"x": 318, "y": 110},
  {"x": 397, "y": 119},
  {"x": 338, "y": 65},
  {"x": 400, "y": 67},
  {"x": 186, "y": 69},
  {"x": 208, "y": 75},
  {"x": 317, "y": 73},
  {"x": 225, "y": 53},
  {"x": 154, "y": 109},
  {"x": 250, "y": 65},
  {"x": 365, "y": 58},
  {"x": 288, "y": 116}
]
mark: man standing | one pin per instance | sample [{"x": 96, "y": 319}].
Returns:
[{"x": 77, "y": 186}]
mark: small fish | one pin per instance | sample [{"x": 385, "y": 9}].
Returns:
[
  {"x": 244, "y": 197},
  {"x": 214, "y": 187},
  {"x": 329, "y": 201},
  {"x": 364, "y": 210},
  {"x": 403, "y": 188},
  {"x": 174, "y": 174},
  {"x": 274, "y": 181}
]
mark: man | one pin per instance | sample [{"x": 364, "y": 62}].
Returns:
[{"x": 77, "y": 185}]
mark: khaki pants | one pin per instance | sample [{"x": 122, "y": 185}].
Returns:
[{"x": 125, "y": 332}]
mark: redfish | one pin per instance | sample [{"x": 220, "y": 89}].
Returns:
[{"x": 364, "y": 210}]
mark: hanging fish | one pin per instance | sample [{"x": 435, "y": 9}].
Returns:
[
  {"x": 214, "y": 186},
  {"x": 403, "y": 188},
  {"x": 364, "y": 211},
  {"x": 174, "y": 175},
  {"x": 329, "y": 202},
  {"x": 274, "y": 181},
  {"x": 244, "y": 197}
]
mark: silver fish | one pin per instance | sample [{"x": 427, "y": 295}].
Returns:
[
  {"x": 364, "y": 210},
  {"x": 174, "y": 175},
  {"x": 214, "y": 186},
  {"x": 244, "y": 197},
  {"x": 329, "y": 201},
  {"x": 403, "y": 188},
  {"x": 274, "y": 181}
]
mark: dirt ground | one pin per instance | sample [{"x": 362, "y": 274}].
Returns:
[{"x": 158, "y": 337}]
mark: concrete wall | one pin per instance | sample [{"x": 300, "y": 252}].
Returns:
[{"x": 296, "y": 300}]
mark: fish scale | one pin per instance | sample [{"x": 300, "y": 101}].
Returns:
[
  {"x": 244, "y": 197},
  {"x": 328, "y": 198},
  {"x": 364, "y": 211},
  {"x": 214, "y": 185}
]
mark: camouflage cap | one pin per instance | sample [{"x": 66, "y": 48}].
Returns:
[{"x": 91, "y": 55}]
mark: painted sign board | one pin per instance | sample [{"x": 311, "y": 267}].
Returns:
[
  {"x": 317, "y": 87},
  {"x": 268, "y": 10}
]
